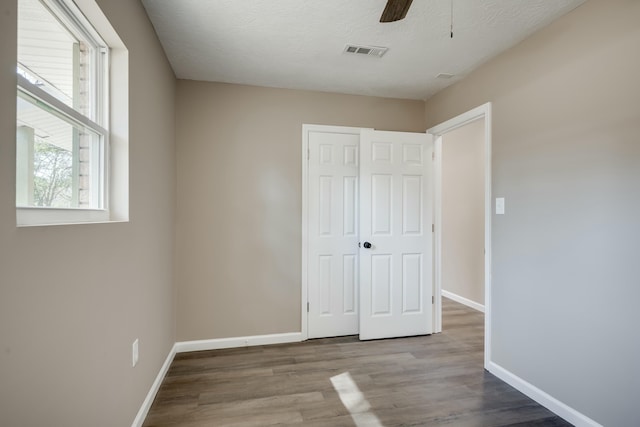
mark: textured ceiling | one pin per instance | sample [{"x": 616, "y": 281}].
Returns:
[{"x": 299, "y": 44}]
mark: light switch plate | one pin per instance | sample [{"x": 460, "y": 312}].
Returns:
[{"x": 499, "y": 205}]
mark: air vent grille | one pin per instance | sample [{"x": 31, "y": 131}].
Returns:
[{"x": 376, "y": 51}]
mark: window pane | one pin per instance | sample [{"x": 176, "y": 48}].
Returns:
[
  {"x": 51, "y": 57},
  {"x": 58, "y": 163}
]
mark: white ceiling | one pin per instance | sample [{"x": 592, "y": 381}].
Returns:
[{"x": 299, "y": 44}]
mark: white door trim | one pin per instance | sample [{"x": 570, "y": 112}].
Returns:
[
  {"x": 483, "y": 111},
  {"x": 304, "y": 293}
]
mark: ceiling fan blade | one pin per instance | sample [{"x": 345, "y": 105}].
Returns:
[{"x": 395, "y": 10}]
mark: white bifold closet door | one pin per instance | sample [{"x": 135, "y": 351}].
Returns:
[
  {"x": 333, "y": 234},
  {"x": 369, "y": 234},
  {"x": 396, "y": 257}
]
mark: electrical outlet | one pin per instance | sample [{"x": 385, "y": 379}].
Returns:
[{"x": 134, "y": 353}]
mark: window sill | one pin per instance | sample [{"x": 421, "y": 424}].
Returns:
[{"x": 37, "y": 217}]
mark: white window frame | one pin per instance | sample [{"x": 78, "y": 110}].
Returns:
[{"x": 75, "y": 21}]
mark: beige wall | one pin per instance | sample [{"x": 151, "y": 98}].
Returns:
[
  {"x": 566, "y": 157},
  {"x": 463, "y": 212},
  {"x": 566, "y": 153},
  {"x": 239, "y": 199},
  {"x": 73, "y": 298}
]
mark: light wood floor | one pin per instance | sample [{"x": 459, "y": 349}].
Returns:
[{"x": 433, "y": 380}]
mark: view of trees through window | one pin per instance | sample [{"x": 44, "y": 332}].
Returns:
[{"x": 52, "y": 175}]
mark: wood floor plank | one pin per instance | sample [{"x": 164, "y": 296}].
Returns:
[{"x": 435, "y": 380}]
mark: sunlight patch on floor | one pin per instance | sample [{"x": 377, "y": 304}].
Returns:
[{"x": 355, "y": 402}]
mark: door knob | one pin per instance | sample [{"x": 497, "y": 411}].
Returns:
[{"x": 367, "y": 245}]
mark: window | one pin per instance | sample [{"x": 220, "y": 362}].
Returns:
[{"x": 62, "y": 138}]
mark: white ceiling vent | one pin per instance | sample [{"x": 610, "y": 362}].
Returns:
[
  {"x": 444, "y": 76},
  {"x": 376, "y": 51}
]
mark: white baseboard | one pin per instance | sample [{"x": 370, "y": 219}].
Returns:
[
  {"x": 463, "y": 300},
  {"x": 148, "y": 401},
  {"x": 220, "y": 343},
  {"x": 551, "y": 403}
]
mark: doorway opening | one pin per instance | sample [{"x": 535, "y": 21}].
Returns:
[{"x": 478, "y": 119}]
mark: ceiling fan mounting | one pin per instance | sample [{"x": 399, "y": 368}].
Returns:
[{"x": 395, "y": 10}]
